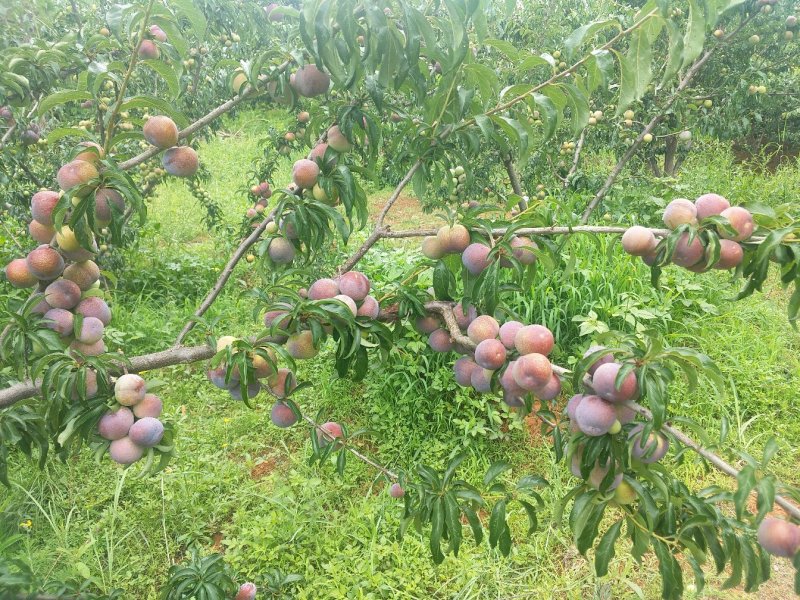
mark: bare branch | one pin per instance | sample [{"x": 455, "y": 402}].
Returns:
[
  {"x": 225, "y": 275},
  {"x": 576, "y": 158},
  {"x": 513, "y": 178}
]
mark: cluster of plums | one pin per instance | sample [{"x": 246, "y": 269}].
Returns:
[
  {"x": 691, "y": 253},
  {"x": 149, "y": 49},
  {"x": 67, "y": 280},
  {"x": 161, "y": 132},
  {"x": 262, "y": 192},
  {"x": 454, "y": 239},
  {"x": 132, "y": 425},
  {"x": 603, "y": 411},
  {"x": 513, "y": 355}
]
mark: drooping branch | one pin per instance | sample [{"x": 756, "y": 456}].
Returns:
[
  {"x": 682, "y": 85},
  {"x": 225, "y": 275}
]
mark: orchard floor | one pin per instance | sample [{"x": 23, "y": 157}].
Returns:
[{"x": 243, "y": 487}]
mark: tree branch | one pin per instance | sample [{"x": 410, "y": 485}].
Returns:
[
  {"x": 693, "y": 70},
  {"x": 513, "y": 178},
  {"x": 225, "y": 275},
  {"x": 575, "y": 158}
]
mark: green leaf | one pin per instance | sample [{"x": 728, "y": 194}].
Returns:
[
  {"x": 195, "y": 16},
  {"x": 670, "y": 570},
  {"x": 695, "y": 34},
  {"x": 62, "y": 97},
  {"x": 494, "y": 471},
  {"x": 497, "y": 522},
  {"x": 166, "y": 73},
  {"x": 162, "y": 106},
  {"x": 605, "y": 549},
  {"x": 452, "y": 514},
  {"x": 586, "y": 33},
  {"x": 437, "y": 526}
]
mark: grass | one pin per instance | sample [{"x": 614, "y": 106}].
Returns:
[{"x": 242, "y": 487}]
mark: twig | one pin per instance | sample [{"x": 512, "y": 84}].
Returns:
[
  {"x": 693, "y": 70},
  {"x": 575, "y": 159},
  {"x": 225, "y": 275},
  {"x": 513, "y": 178},
  {"x": 379, "y": 230},
  {"x": 353, "y": 451}
]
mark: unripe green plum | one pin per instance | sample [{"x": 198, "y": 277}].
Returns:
[
  {"x": 625, "y": 494},
  {"x": 432, "y": 248},
  {"x": 130, "y": 389}
]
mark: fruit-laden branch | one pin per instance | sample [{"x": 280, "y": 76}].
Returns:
[
  {"x": 191, "y": 354},
  {"x": 225, "y": 275},
  {"x": 380, "y": 229},
  {"x": 248, "y": 93},
  {"x": 682, "y": 85},
  {"x": 13, "y": 128},
  {"x": 546, "y": 231},
  {"x": 445, "y": 309}
]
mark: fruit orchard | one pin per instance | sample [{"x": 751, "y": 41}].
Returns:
[{"x": 486, "y": 112}]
